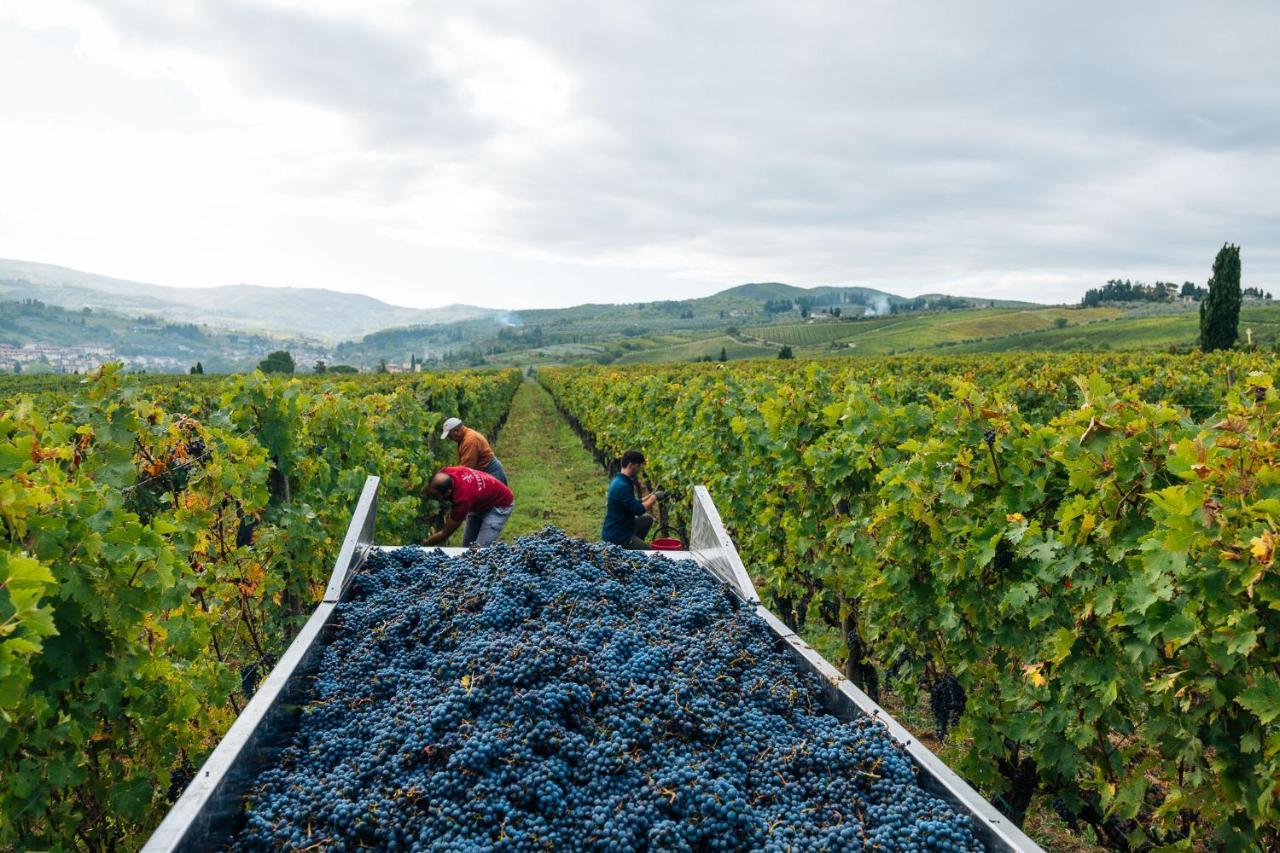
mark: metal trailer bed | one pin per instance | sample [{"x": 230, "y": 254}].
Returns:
[{"x": 209, "y": 812}]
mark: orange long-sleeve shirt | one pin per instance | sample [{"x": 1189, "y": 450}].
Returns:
[{"x": 474, "y": 450}]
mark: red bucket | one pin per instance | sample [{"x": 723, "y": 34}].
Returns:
[{"x": 667, "y": 545}]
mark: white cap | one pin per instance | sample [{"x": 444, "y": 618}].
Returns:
[{"x": 449, "y": 425}]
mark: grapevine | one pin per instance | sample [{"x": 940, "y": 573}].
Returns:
[
  {"x": 160, "y": 540},
  {"x": 1086, "y": 543}
]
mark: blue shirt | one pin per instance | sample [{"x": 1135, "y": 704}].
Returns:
[{"x": 620, "y": 514}]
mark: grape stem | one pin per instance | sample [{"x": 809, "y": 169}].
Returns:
[{"x": 995, "y": 462}]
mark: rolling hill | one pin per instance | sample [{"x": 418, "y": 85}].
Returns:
[
  {"x": 38, "y": 337},
  {"x": 753, "y": 320},
  {"x": 1043, "y": 329},
  {"x": 598, "y": 331},
  {"x": 313, "y": 312}
]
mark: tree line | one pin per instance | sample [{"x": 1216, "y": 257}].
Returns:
[{"x": 1219, "y": 302}]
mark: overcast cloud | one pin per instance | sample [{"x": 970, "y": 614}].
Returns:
[{"x": 549, "y": 153}]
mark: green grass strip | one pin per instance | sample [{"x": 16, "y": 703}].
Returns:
[{"x": 554, "y": 479}]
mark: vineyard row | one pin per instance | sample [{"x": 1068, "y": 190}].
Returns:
[{"x": 161, "y": 544}]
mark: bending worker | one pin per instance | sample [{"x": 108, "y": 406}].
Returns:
[
  {"x": 483, "y": 501},
  {"x": 473, "y": 449},
  {"x": 627, "y": 520}
]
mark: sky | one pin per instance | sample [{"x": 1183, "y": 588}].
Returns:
[{"x": 543, "y": 153}]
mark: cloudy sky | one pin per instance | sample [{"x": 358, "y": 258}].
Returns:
[{"x": 525, "y": 153}]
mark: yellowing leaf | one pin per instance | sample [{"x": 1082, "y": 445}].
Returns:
[
  {"x": 1060, "y": 644},
  {"x": 1032, "y": 672},
  {"x": 20, "y": 571},
  {"x": 1263, "y": 547}
]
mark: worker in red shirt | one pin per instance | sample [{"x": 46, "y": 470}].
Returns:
[{"x": 472, "y": 493}]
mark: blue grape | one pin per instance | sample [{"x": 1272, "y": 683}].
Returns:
[{"x": 555, "y": 694}]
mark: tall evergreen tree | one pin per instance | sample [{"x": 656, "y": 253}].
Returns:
[{"x": 1220, "y": 308}]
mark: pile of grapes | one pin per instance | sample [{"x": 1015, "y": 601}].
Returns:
[{"x": 560, "y": 695}]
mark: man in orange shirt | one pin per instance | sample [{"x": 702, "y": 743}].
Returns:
[{"x": 473, "y": 449}]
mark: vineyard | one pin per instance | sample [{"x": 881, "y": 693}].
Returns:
[
  {"x": 1073, "y": 556},
  {"x": 1071, "y": 559},
  {"x": 901, "y": 333},
  {"x": 162, "y": 543},
  {"x": 705, "y": 348},
  {"x": 806, "y": 334}
]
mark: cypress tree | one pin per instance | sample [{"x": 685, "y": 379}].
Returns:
[{"x": 1220, "y": 308}]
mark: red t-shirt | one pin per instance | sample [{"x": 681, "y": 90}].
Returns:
[{"x": 476, "y": 491}]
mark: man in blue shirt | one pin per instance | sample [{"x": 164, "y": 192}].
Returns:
[{"x": 627, "y": 520}]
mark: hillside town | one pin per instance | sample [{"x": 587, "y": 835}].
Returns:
[
  {"x": 31, "y": 358},
  {"x": 51, "y": 358}
]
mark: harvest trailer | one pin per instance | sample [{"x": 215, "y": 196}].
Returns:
[{"x": 211, "y": 809}]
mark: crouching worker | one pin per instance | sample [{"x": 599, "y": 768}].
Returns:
[
  {"x": 627, "y": 520},
  {"x": 483, "y": 501}
]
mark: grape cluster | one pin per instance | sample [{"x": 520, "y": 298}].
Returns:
[
  {"x": 1065, "y": 814},
  {"x": 947, "y": 701},
  {"x": 557, "y": 695},
  {"x": 251, "y": 674},
  {"x": 179, "y": 778}
]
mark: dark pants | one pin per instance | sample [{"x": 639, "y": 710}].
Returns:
[{"x": 638, "y": 542}]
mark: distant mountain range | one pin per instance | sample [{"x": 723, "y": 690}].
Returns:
[
  {"x": 231, "y": 327},
  {"x": 312, "y": 312},
  {"x": 54, "y": 319}
]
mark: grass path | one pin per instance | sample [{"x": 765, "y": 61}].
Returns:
[{"x": 554, "y": 479}]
